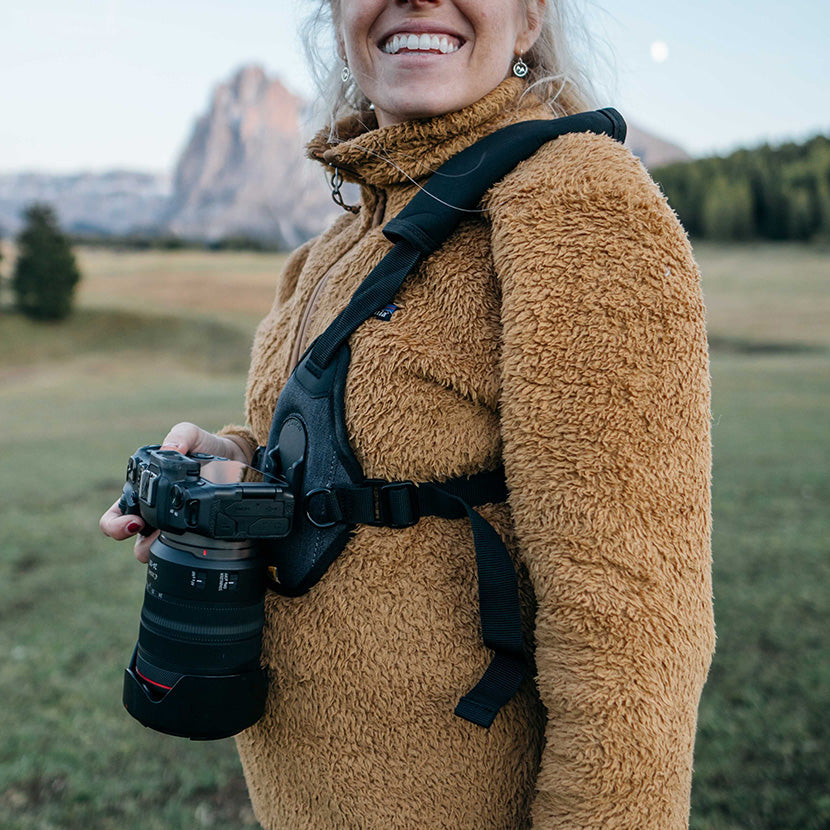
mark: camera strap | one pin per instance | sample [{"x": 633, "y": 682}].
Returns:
[
  {"x": 433, "y": 214},
  {"x": 308, "y": 444}
]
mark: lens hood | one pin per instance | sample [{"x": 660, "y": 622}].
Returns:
[{"x": 199, "y": 708}]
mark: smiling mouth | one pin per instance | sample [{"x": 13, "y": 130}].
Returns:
[{"x": 410, "y": 42}]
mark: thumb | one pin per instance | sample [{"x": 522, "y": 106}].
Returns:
[{"x": 184, "y": 438}]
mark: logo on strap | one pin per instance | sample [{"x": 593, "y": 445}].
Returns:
[{"x": 386, "y": 312}]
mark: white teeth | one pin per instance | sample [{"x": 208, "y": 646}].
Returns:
[{"x": 420, "y": 43}]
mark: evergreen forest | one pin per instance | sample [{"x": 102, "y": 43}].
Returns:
[{"x": 769, "y": 193}]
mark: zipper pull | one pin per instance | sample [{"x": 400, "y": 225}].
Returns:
[{"x": 336, "y": 182}]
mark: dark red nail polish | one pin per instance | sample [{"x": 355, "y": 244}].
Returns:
[{"x": 133, "y": 527}]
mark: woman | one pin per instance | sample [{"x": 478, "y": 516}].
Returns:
[{"x": 559, "y": 331}]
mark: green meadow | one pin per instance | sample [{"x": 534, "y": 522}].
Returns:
[{"x": 160, "y": 337}]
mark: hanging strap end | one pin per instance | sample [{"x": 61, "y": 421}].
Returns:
[{"x": 477, "y": 713}]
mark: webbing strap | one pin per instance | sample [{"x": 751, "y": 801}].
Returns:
[
  {"x": 460, "y": 182},
  {"x": 434, "y": 213},
  {"x": 501, "y": 622},
  {"x": 401, "y": 504},
  {"x": 376, "y": 291},
  {"x": 384, "y": 503}
]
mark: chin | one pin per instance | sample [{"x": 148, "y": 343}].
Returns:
[{"x": 413, "y": 109}]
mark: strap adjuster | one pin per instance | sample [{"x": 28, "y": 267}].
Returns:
[{"x": 396, "y": 503}]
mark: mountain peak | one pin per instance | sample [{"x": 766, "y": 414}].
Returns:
[
  {"x": 243, "y": 170},
  {"x": 250, "y": 75}
]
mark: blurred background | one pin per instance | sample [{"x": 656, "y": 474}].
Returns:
[{"x": 151, "y": 164}]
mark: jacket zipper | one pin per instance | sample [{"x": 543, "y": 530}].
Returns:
[
  {"x": 314, "y": 299},
  {"x": 308, "y": 313}
]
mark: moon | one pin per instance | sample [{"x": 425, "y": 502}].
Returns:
[{"x": 659, "y": 51}]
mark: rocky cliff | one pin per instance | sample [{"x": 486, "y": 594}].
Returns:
[{"x": 243, "y": 170}]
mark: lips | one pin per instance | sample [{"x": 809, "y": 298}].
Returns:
[{"x": 421, "y": 42}]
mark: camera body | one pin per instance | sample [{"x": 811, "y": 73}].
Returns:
[
  {"x": 195, "y": 671},
  {"x": 187, "y": 494}
]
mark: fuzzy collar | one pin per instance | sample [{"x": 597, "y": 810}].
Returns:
[{"x": 382, "y": 156}]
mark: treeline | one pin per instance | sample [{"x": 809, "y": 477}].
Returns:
[
  {"x": 170, "y": 242},
  {"x": 764, "y": 193}
]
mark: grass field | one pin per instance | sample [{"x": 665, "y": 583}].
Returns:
[{"x": 161, "y": 337}]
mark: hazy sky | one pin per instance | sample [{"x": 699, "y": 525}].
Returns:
[{"x": 105, "y": 83}]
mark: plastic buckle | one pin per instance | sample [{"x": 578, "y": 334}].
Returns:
[{"x": 398, "y": 504}]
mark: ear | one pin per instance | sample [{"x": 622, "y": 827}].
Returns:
[
  {"x": 534, "y": 17},
  {"x": 340, "y": 43}
]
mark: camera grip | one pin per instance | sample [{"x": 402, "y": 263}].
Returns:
[{"x": 128, "y": 505}]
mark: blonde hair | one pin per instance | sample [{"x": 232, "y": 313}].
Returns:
[{"x": 559, "y": 61}]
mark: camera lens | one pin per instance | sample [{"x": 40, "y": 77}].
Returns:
[{"x": 195, "y": 671}]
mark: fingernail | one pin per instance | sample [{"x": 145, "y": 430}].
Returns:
[{"x": 133, "y": 527}]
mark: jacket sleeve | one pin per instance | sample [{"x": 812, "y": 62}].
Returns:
[
  {"x": 605, "y": 426},
  {"x": 286, "y": 285}
]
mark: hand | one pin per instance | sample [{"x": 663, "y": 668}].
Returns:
[{"x": 185, "y": 438}]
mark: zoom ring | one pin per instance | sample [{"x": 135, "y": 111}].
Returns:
[{"x": 199, "y": 632}]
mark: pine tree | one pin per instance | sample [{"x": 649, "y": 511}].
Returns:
[
  {"x": 45, "y": 273},
  {"x": 727, "y": 210}
]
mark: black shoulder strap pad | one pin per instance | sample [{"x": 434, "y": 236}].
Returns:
[
  {"x": 435, "y": 211},
  {"x": 460, "y": 183}
]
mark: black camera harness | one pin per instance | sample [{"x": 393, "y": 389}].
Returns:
[{"x": 308, "y": 443}]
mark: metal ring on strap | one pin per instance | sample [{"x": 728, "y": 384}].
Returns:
[{"x": 317, "y": 491}]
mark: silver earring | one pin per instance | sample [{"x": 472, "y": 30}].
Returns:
[
  {"x": 520, "y": 68},
  {"x": 346, "y": 74}
]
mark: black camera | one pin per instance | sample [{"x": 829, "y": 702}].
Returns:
[{"x": 195, "y": 671}]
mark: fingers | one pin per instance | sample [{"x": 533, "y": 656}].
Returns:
[
  {"x": 118, "y": 526},
  {"x": 141, "y": 549},
  {"x": 186, "y": 437},
  {"x": 189, "y": 438}
]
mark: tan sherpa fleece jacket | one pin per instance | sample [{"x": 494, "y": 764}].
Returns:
[{"x": 561, "y": 331}]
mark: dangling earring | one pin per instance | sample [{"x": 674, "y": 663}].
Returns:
[
  {"x": 346, "y": 74},
  {"x": 520, "y": 68}
]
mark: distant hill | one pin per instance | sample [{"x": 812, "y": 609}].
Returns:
[
  {"x": 653, "y": 151},
  {"x": 242, "y": 173},
  {"x": 115, "y": 202}
]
